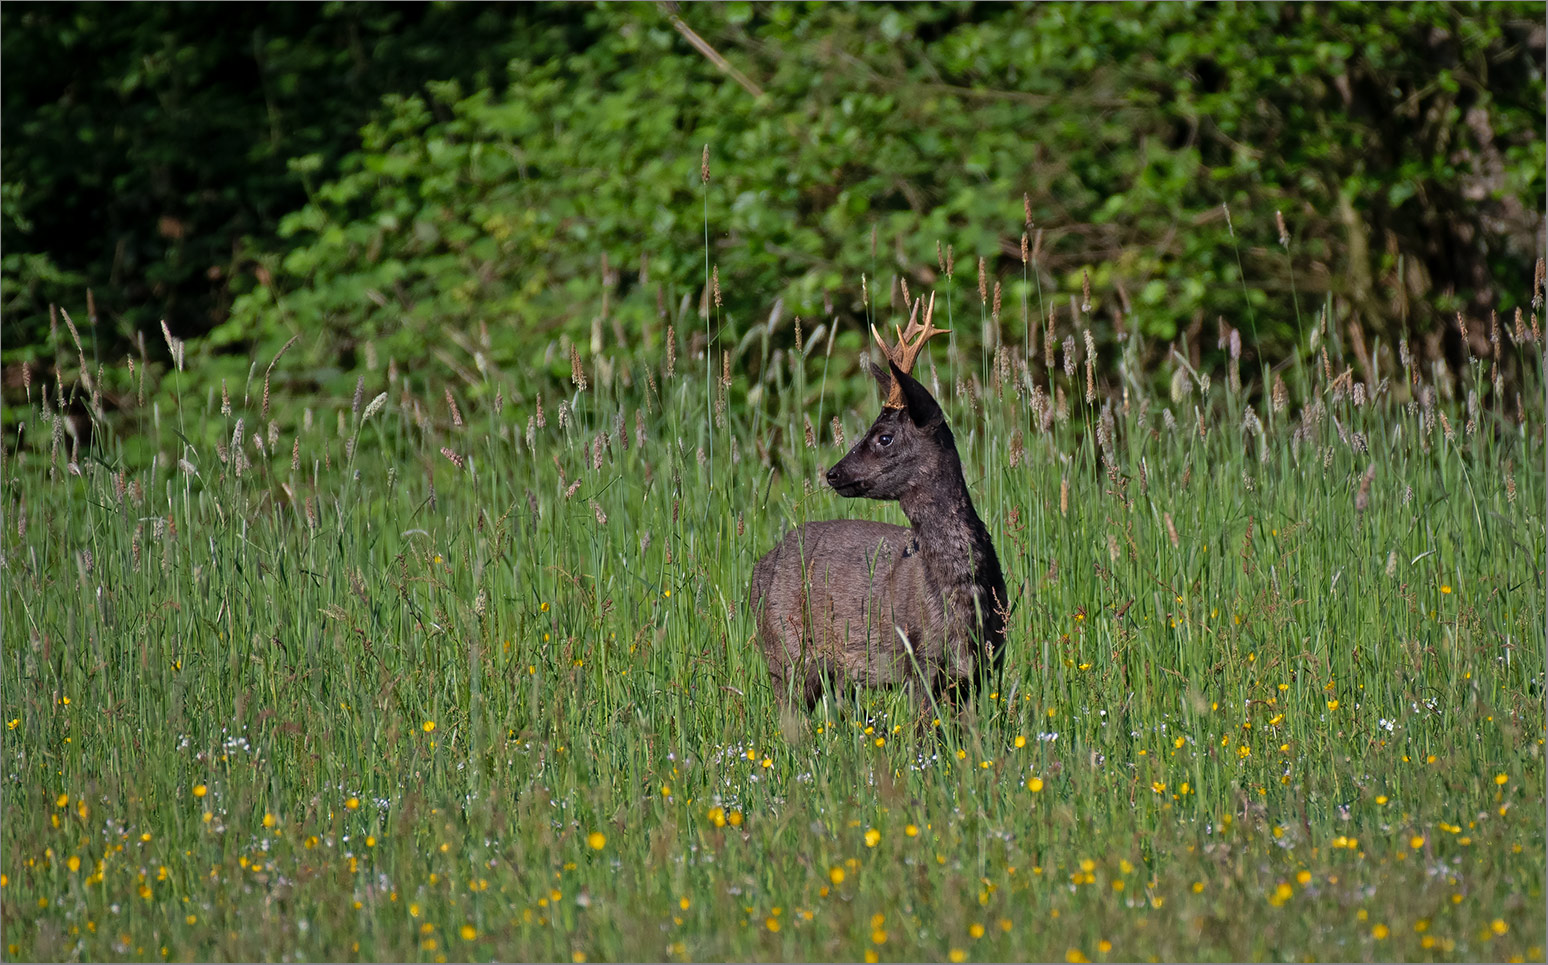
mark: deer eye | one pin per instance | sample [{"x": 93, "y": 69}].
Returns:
[{"x": 885, "y": 439}]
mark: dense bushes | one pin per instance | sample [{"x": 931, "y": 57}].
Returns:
[{"x": 1154, "y": 146}]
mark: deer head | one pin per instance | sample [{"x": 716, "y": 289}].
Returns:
[{"x": 909, "y": 442}]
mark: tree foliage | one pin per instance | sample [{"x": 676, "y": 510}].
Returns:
[
  {"x": 1153, "y": 146},
  {"x": 143, "y": 143}
]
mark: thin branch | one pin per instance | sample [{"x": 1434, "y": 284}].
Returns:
[{"x": 710, "y": 53}]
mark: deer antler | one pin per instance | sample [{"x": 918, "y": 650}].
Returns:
[{"x": 910, "y": 342}]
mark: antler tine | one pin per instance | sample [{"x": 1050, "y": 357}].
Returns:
[
  {"x": 895, "y": 354},
  {"x": 910, "y": 342},
  {"x": 918, "y": 334}
]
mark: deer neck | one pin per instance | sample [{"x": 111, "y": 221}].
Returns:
[{"x": 953, "y": 542}]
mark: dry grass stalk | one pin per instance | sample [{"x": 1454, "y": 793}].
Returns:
[{"x": 1363, "y": 496}]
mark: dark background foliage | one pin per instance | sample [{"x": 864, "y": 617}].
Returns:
[{"x": 394, "y": 174}]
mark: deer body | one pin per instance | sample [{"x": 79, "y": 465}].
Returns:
[{"x": 877, "y": 605}]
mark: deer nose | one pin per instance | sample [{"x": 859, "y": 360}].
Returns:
[{"x": 833, "y": 475}]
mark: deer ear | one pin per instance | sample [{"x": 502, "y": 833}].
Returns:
[
  {"x": 882, "y": 376},
  {"x": 918, "y": 402}
]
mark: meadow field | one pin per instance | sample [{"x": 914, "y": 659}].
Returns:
[{"x": 461, "y": 671}]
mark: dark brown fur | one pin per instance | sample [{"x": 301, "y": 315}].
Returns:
[{"x": 833, "y": 597}]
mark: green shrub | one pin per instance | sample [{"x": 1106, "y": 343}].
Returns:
[{"x": 1153, "y": 147}]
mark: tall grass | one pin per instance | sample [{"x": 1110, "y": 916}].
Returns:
[{"x": 397, "y": 681}]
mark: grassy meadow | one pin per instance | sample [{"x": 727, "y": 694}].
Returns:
[{"x": 458, "y": 672}]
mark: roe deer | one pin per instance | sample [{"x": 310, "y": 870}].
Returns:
[{"x": 873, "y": 604}]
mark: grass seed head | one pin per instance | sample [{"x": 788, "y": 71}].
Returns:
[{"x": 1049, "y": 339}]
